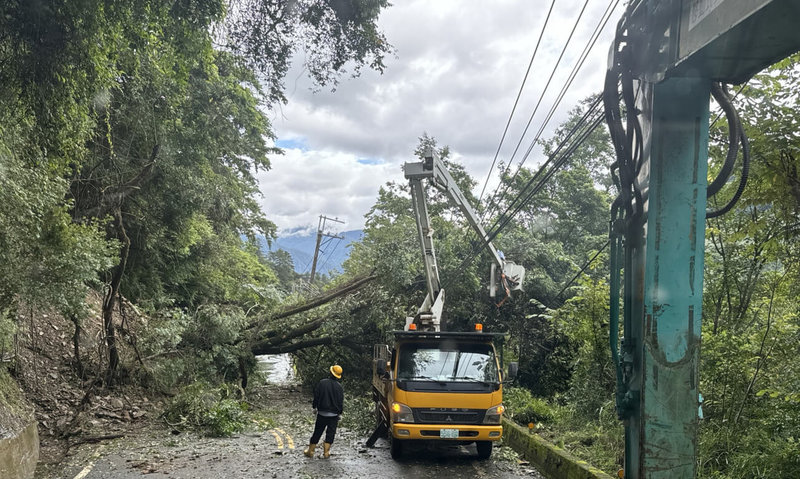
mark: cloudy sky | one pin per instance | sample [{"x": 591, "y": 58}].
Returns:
[{"x": 456, "y": 73}]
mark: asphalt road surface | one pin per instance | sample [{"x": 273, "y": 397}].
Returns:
[{"x": 274, "y": 449}]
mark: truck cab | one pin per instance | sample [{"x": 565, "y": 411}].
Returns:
[{"x": 440, "y": 386}]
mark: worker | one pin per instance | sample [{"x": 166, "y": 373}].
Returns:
[{"x": 328, "y": 403}]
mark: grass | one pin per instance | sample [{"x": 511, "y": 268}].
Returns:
[{"x": 596, "y": 439}]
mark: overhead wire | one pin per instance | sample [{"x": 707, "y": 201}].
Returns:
[
  {"x": 547, "y": 175},
  {"x": 543, "y": 177},
  {"x": 546, "y": 86},
  {"x": 584, "y": 267},
  {"x": 335, "y": 246},
  {"x": 573, "y": 74},
  {"x": 578, "y": 125},
  {"x": 516, "y": 101},
  {"x": 593, "y": 39}
]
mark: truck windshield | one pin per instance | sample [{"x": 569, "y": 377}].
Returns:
[{"x": 453, "y": 362}]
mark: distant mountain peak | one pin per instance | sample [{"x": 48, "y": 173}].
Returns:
[{"x": 300, "y": 243}]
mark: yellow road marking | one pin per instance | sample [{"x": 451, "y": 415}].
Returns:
[
  {"x": 86, "y": 470},
  {"x": 277, "y": 438},
  {"x": 288, "y": 437}
]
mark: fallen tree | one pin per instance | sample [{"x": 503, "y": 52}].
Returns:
[{"x": 280, "y": 340}]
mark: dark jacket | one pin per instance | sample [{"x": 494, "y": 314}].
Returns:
[{"x": 328, "y": 396}]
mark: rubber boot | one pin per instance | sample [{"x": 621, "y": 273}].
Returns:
[
  {"x": 326, "y": 450},
  {"x": 309, "y": 452}
]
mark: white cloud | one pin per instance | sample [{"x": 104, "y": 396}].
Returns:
[
  {"x": 301, "y": 185},
  {"x": 457, "y": 70}
]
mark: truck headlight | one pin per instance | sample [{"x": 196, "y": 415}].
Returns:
[
  {"x": 494, "y": 414},
  {"x": 401, "y": 413}
]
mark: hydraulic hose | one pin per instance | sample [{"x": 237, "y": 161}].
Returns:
[
  {"x": 742, "y": 180},
  {"x": 720, "y": 94}
]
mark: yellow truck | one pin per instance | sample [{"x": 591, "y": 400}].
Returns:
[
  {"x": 442, "y": 385},
  {"x": 437, "y": 385}
]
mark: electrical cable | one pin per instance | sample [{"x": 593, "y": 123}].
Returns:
[
  {"x": 579, "y": 124},
  {"x": 544, "y": 165},
  {"x": 516, "y": 101},
  {"x": 735, "y": 95},
  {"x": 584, "y": 135},
  {"x": 331, "y": 254},
  {"x": 583, "y": 268},
  {"x": 593, "y": 39},
  {"x": 505, "y": 217},
  {"x": 547, "y": 85},
  {"x": 545, "y": 176},
  {"x": 568, "y": 153},
  {"x": 573, "y": 74}
]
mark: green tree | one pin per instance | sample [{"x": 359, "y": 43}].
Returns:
[
  {"x": 749, "y": 375},
  {"x": 159, "y": 130}
]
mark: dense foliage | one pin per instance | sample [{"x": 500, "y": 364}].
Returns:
[
  {"x": 750, "y": 376},
  {"x": 131, "y": 133}
]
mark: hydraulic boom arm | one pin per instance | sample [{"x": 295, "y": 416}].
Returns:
[{"x": 434, "y": 170}]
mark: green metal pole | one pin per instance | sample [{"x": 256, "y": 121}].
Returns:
[{"x": 666, "y": 419}]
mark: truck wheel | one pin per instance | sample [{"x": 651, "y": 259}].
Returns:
[
  {"x": 395, "y": 447},
  {"x": 484, "y": 449}
]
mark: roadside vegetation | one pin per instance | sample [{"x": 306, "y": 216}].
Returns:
[{"x": 130, "y": 137}]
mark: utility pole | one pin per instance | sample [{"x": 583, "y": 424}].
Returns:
[
  {"x": 665, "y": 57},
  {"x": 320, "y": 233}
]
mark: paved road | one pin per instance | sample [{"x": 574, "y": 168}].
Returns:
[{"x": 275, "y": 451}]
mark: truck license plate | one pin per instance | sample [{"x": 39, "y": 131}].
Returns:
[{"x": 448, "y": 433}]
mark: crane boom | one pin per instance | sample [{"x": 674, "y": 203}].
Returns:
[{"x": 434, "y": 170}]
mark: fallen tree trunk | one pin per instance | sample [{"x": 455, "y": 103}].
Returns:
[
  {"x": 308, "y": 343},
  {"x": 329, "y": 296},
  {"x": 275, "y": 338},
  {"x": 275, "y": 341}
]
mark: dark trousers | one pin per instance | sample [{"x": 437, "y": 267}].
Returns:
[{"x": 327, "y": 424}]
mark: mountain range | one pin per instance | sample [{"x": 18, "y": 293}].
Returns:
[{"x": 332, "y": 252}]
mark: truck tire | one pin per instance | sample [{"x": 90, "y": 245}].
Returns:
[
  {"x": 484, "y": 449},
  {"x": 395, "y": 447}
]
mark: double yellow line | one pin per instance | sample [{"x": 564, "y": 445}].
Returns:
[{"x": 276, "y": 433}]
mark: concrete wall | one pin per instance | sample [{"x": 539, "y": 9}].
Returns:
[
  {"x": 19, "y": 453},
  {"x": 552, "y": 461}
]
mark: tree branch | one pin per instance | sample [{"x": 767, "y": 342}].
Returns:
[
  {"x": 274, "y": 338},
  {"x": 347, "y": 288},
  {"x": 297, "y": 308},
  {"x": 309, "y": 343}
]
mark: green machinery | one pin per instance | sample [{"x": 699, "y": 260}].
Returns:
[{"x": 663, "y": 63}]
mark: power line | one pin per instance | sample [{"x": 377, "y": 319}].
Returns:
[
  {"x": 516, "y": 101},
  {"x": 563, "y": 159},
  {"x": 583, "y": 268},
  {"x": 508, "y": 215},
  {"x": 552, "y": 158},
  {"x": 573, "y": 74},
  {"x": 542, "y": 175},
  {"x": 546, "y": 86},
  {"x": 335, "y": 246}
]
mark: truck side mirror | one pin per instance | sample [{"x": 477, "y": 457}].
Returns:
[
  {"x": 513, "y": 370},
  {"x": 380, "y": 368}
]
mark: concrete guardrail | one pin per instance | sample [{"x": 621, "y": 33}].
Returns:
[
  {"x": 19, "y": 453},
  {"x": 552, "y": 461}
]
